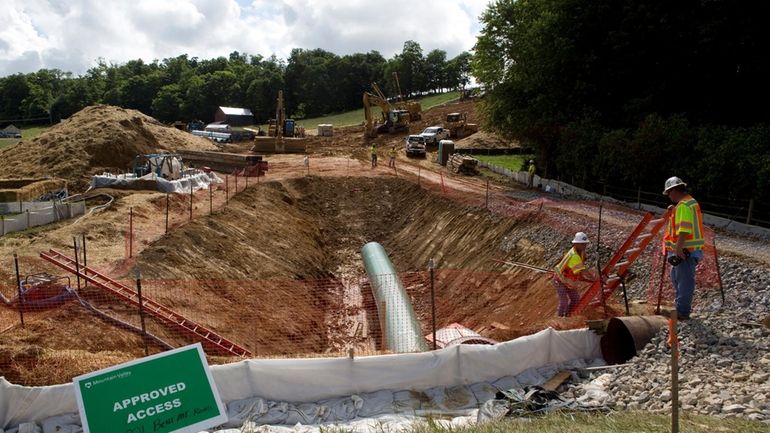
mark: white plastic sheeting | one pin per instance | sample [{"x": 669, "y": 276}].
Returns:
[
  {"x": 40, "y": 214},
  {"x": 273, "y": 383},
  {"x": 198, "y": 180}
]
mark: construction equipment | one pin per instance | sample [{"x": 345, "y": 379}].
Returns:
[
  {"x": 210, "y": 340},
  {"x": 393, "y": 119},
  {"x": 165, "y": 165},
  {"x": 413, "y": 107},
  {"x": 245, "y": 165},
  {"x": 40, "y": 292},
  {"x": 458, "y": 126},
  {"x": 616, "y": 269},
  {"x": 281, "y": 133}
]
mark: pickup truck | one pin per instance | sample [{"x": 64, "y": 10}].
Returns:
[
  {"x": 415, "y": 145},
  {"x": 434, "y": 134}
]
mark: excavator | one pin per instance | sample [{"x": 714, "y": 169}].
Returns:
[
  {"x": 413, "y": 107},
  {"x": 393, "y": 119}
]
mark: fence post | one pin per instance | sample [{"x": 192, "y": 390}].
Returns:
[
  {"x": 85, "y": 260},
  {"x": 18, "y": 288},
  {"x": 431, "y": 265},
  {"x": 236, "y": 182},
  {"x": 639, "y": 198},
  {"x": 130, "y": 233},
  {"x": 77, "y": 260},
  {"x": 486, "y": 201},
  {"x": 211, "y": 198},
  {"x": 141, "y": 309},
  {"x": 191, "y": 200},
  {"x": 227, "y": 188},
  {"x": 28, "y": 220},
  {"x": 419, "y": 176},
  {"x": 166, "y": 212},
  {"x": 2, "y": 225},
  {"x": 674, "y": 373},
  {"x": 751, "y": 209}
]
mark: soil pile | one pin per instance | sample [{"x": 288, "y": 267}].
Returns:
[
  {"x": 486, "y": 140},
  {"x": 96, "y": 139}
]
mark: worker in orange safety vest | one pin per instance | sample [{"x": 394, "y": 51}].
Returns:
[
  {"x": 569, "y": 274},
  {"x": 683, "y": 243}
]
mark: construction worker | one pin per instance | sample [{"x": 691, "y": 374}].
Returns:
[
  {"x": 392, "y": 154},
  {"x": 683, "y": 242},
  {"x": 570, "y": 272},
  {"x": 374, "y": 155},
  {"x": 531, "y": 172}
]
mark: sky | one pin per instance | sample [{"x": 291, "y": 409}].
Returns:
[{"x": 72, "y": 35}]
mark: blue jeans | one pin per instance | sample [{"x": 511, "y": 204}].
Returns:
[
  {"x": 568, "y": 298},
  {"x": 683, "y": 280}
]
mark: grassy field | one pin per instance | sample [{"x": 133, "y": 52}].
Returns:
[
  {"x": 511, "y": 162},
  {"x": 357, "y": 116},
  {"x": 26, "y": 134}
]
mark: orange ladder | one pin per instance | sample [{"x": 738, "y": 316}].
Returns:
[
  {"x": 210, "y": 340},
  {"x": 644, "y": 233}
]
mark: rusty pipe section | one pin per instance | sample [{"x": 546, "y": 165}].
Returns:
[{"x": 626, "y": 336}]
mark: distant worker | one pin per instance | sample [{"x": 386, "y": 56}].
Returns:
[
  {"x": 570, "y": 272},
  {"x": 683, "y": 242},
  {"x": 374, "y": 156},
  {"x": 531, "y": 172},
  {"x": 392, "y": 154}
]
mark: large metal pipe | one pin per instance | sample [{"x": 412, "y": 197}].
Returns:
[
  {"x": 401, "y": 329},
  {"x": 626, "y": 336}
]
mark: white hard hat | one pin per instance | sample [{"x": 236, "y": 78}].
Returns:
[
  {"x": 531, "y": 161},
  {"x": 581, "y": 238},
  {"x": 672, "y": 182}
]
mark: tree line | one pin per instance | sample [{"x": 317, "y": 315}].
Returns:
[
  {"x": 630, "y": 92},
  {"x": 315, "y": 82}
]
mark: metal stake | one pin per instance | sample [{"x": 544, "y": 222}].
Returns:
[
  {"x": 598, "y": 257},
  {"x": 660, "y": 283},
  {"x": 167, "y": 213},
  {"x": 191, "y": 200},
  {"x": 141, "y": 309},
  {"x": 18, "y": 288},
  {"x": 77, "y": 262},
  {"x": 85, "y": 260},
  {"x": 211, "y": 199},
  {"x": 674, "y": 374},
  {"x": 432, "y": 302},
  {"x": 130, "y": 234}
]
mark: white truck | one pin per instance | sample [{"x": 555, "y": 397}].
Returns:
[{"x": 434, "y": 134}]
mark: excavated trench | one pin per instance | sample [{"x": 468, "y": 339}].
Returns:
[{"x": 279, "y": 271}]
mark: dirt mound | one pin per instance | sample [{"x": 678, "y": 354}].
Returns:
[
  {"x": 486, "y": 140},
  {"x": 95, "y": 139}
]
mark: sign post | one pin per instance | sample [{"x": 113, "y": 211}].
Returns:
[{"x": 170, "y": 392}]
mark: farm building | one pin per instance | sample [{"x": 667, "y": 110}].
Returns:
[{"x": 234, "y": 116}]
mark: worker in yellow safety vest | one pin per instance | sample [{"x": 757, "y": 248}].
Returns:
[
  {"x": 683, "y": 242},
  {"x": 531, "y": 173},
  {"x": 374, "y": 156},
  {"x": 392, "y": 155},
  {"x": 569, "y": 274}
]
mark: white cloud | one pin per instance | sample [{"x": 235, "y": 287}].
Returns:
[{"x": 73, "y": 34}]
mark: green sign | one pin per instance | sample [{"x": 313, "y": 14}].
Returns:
[{"x": 169, "y": 392}]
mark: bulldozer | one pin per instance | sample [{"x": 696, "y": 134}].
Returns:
[
  {"x": 393, "y": 119},
  {"x": 458, "y": 126}
]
